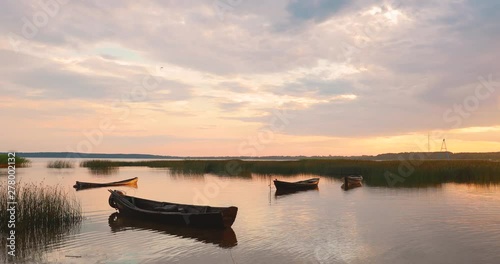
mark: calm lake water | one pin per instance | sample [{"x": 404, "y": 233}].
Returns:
[{"x": 452, "y": 223}]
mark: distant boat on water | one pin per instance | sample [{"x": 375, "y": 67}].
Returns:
[
  {"x": 351, "y": 182},
  {"x": 87, "y": 185},
  {"x": 299, "y": 185}
]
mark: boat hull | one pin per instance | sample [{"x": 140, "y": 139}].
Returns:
[
  {"x": 300, "y": 185},
  {"x": 193, "y": 215},
  {"x": 87, "y": 185}
]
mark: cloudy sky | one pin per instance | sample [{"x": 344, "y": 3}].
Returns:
[{"x": 240, "y": 77}]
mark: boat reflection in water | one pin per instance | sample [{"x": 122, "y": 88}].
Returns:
[
  {"x": 284, "y": 192},
  {"x": 103, "y": 170},
  {"x": 224, "y": 238}
]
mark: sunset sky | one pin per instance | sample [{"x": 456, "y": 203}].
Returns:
[{"x": 249, "y": 78}]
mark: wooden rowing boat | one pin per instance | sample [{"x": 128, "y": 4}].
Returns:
[
  {"x": 86, "y": 185},
  {"x": 224, "y": 238},
  {"x": 299, "y": 185},
  {"x": 173, "y": 213},
  {"x": 351, "y": 182}
]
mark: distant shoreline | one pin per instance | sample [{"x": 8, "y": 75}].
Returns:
[{"x": 379, "y": 157}]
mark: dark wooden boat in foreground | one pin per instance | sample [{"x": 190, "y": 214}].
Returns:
[
  {"x": 224, "y": 238},
  {"x": 86, "y": 185},
  {"x": 173, "y": 213},
  {"x": 300, "y": 185},
  {"x": 351, "y": 182}
]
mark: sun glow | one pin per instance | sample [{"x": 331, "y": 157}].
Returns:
[
  {"x": 392, "y": 15},
  {"x": 477, "y": 129}
]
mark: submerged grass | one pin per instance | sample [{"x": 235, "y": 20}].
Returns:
[
  {"x": 404, "y": 174},
  {"x": 60, "y": 164}
]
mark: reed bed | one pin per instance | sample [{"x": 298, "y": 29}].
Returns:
[
  {"x": 407, "y": 174},
  {"x": 60, "y": 164},
  {"x": 40, "y": 206},
  {"x": 20, "y": 161},
  {"x": 95, "y": 164},
  {"x": 100, "y": 167},
  {"x": 44, "y": 215}
]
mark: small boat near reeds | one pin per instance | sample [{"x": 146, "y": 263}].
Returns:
[
  {"x": 173, "y": 213},
  {"x": 351, "y": 182},
  {"x": 224, "y": 238},
  {"x": 299, "y": 185},
  {"x": 86, "y": 185}
]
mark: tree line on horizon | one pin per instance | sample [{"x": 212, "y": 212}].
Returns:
[{"x": 384, "y": 156}]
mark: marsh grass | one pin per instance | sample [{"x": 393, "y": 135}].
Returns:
[
  {"x": 100, "y": 167},
  {"x": 20, "y": 161},
  {"x": 417, "y": 174},
  {"x": 98, "y": 164},
  {"x": 44, "y": 214},
  {"x": 40, "y": 206},
  {"x": 186, "y": 167},
  {"x": 60, "y": 164}
]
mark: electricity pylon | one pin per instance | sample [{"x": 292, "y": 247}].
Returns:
[{"x": 445, "y": 149}]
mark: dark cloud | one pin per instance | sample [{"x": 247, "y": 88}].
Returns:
[
  {"x": 317, "y": 10},
  {"x": 315, "y": 86}
]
